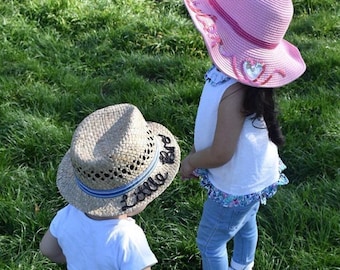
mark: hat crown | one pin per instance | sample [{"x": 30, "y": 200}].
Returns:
[
  {"x": 245, "y": 39},
  {"x": 111, "y": 147},
  {"x": 261, "y": 20}
]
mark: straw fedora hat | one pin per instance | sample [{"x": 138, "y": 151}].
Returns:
[
  {"x": 117, "y": 162},
  {"x": 244, "y": 39}
]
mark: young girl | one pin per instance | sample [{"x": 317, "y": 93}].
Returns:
[
  {"x": 237, "y": 133},
  {"x": 117, "y": 164}
]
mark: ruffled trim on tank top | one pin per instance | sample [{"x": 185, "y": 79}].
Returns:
[
  {"x": 230, "y": 200},
  {"x": 215, "y": 77}
]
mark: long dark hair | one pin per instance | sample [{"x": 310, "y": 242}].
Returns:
[{"x": 261, "y": 103}]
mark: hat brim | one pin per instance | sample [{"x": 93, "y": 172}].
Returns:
[
  {"x": 281, "y": 65},
  {"x": 133, "y": 199}
]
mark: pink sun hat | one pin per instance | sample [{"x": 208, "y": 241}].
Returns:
[{"x": 245, "y": 41}]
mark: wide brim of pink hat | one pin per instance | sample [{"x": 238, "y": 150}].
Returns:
[{"x": 235, "y": 56}]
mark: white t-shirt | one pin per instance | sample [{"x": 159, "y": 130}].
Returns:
[
  {"x": 255, "y": 163},
  {"x": 114, "y": 244}
]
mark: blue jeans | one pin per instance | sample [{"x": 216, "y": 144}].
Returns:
[{"x": 218, "y": 226}]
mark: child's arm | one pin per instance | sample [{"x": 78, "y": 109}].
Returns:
[
  {"x": 229, "y": 125},
  {"x": 50, "y": 248},
  {"x": 186, "y": 170}
]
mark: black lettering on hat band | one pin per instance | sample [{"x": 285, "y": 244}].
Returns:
[{"x": 152, "y": 184}]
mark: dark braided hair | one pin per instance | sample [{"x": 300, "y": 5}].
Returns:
[{"x": 261, "y": 103}]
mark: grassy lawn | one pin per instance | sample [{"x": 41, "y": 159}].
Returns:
[{"x": 62, "y": 59}]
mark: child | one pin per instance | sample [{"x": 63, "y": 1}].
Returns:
[
  {"x": 117, "y": 164},
  {"x": 236, "y": 131}
]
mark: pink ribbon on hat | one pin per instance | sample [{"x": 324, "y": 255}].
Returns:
[{"x": 238, "y": 29}]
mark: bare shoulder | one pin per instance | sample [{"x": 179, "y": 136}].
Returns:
[
  {"x": 230, "y": 110},
  {"x": 235, "y": 91},
  {"x": 232, "y": 100},
  {"x": 230, "y": 121}
]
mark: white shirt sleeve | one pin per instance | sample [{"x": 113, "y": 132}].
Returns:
[{"x": 136, "y": 252}]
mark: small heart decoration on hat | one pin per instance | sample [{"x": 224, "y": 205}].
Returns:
[{"x": 252, "y": 70}]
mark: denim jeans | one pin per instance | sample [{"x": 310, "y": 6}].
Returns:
[{"x": 218, "y": 226}]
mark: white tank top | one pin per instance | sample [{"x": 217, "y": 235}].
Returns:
[{"x": 255, "y": 163}]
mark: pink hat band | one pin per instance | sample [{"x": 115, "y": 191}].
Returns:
[
  {"x": 238, "y": 29},
  {"x": 245, "y": 39}
]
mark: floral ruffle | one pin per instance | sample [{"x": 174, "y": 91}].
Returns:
[
  {"x": 215, "y": 77},
  {"x": 229, "y": 200}
]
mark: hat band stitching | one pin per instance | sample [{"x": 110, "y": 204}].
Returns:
[
  {"x": 256, "y": 81},
  {"x": 151, "y": 185},
  {"x": 239, "y": 30},
  {"x": 111, "y": 193},
  {"x": 210, "y": 29}
]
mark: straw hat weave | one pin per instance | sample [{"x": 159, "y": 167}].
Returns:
[{"x": 117, "y": 162}]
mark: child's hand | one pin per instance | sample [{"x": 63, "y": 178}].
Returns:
[{"x": 186, "y": 170}]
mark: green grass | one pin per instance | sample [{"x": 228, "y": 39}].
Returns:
[{"x": 62, "y": 59}]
